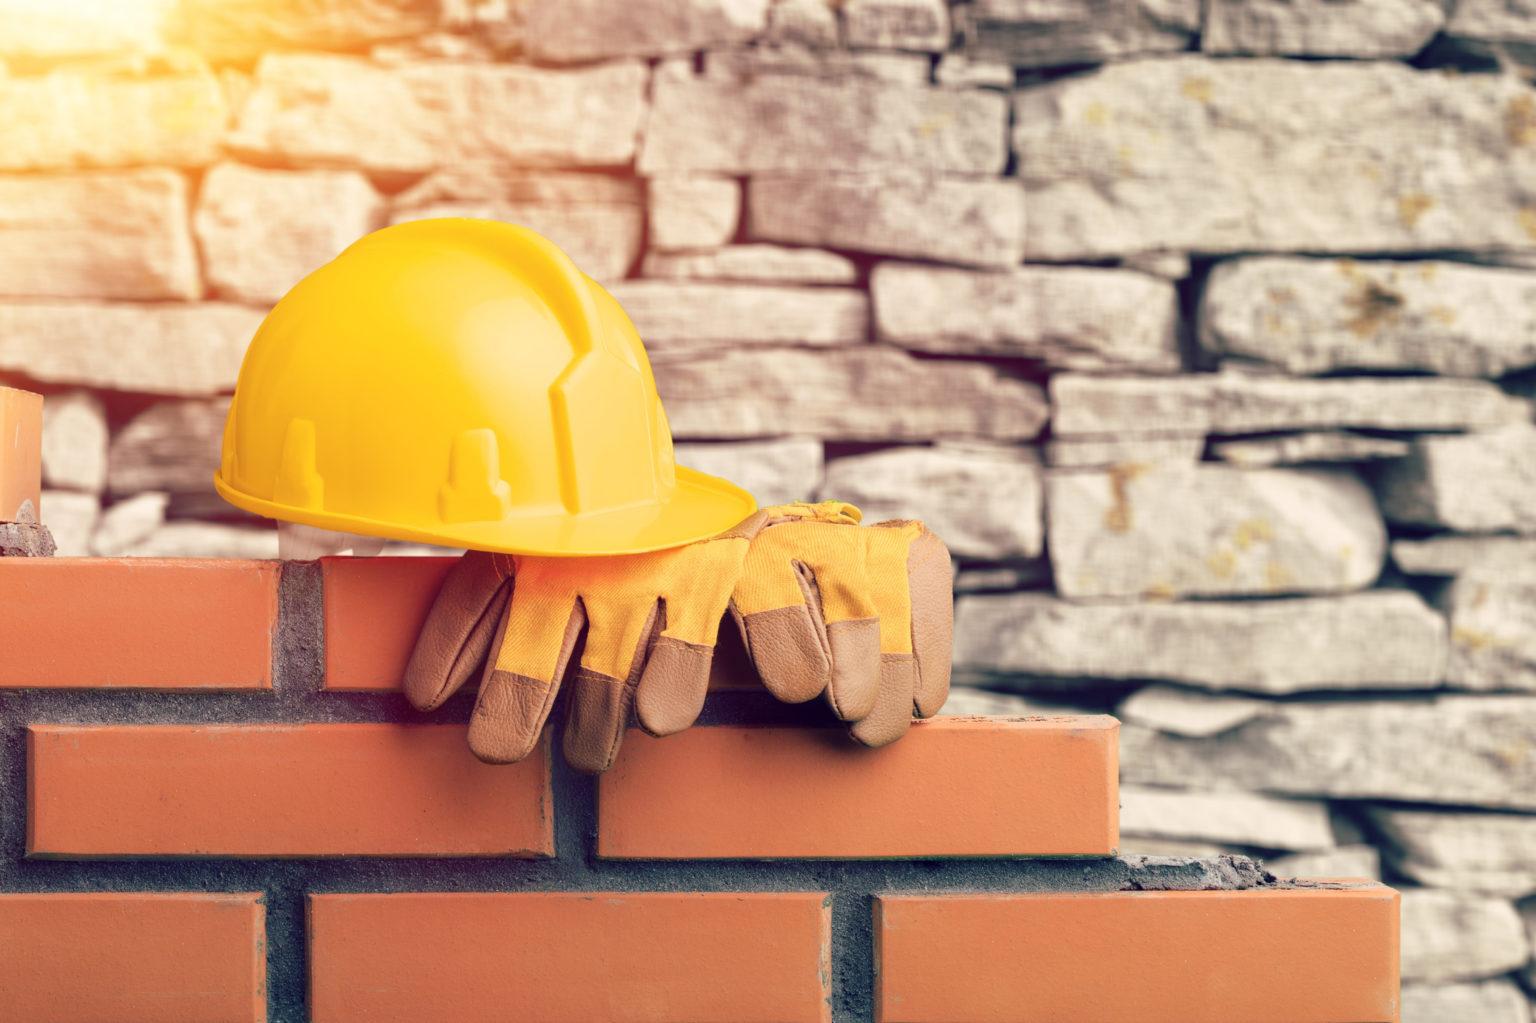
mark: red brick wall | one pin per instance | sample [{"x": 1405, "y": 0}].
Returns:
[{"x": 204, "y": 819}]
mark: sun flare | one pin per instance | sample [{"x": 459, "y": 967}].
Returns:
[{"x": 63, "y": 26}]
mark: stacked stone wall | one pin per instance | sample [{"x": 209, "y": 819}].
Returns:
[{"x": 1205, "y": 333}]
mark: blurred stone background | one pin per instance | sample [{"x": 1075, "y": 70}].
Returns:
[{"x": 1203, "y": 332}]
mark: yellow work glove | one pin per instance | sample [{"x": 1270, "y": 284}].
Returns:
[
  {"x": 862, "y": 615},
  {"x": 650, "y": 622}
]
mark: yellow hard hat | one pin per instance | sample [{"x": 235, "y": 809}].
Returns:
[{"x": 460, "y": 382}]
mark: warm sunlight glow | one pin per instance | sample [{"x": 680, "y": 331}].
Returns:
[{"x": 44, "y": 27}]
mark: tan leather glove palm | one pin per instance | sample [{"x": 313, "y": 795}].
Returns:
[{"x": 862, "y": 615}]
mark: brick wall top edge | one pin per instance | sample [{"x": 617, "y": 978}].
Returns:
[{"x": 124, "y": 623}]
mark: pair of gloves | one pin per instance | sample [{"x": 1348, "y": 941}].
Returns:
[{"x": 859, "y": 615}]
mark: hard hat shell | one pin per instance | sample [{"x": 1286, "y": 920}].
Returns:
[{"x": 460, "y": 382}]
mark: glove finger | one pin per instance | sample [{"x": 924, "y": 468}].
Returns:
[
  {"x": 674, "y": 684},
  {"x": 855, "y": 682},
  {"x": 675, "y": 680},
  {"x": 788, "y": 646},
  {"x": 600, "y": 702},
  {"x": 523, "y": 675},
  {"x": 459, "y": 629},
  {"x": 833, "y": 564},
  {"x": 891, "y": 715},
  {"x": 931, "y": 581},
  {"x": 840, "y": 591},
  {"x": 779, "y": 617}
]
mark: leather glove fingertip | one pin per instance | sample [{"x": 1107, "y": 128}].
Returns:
[
  {"x": 891, "y": 716},
  {"x": 855, "y": 682},
  {"x": 789, "y": 649},
  {"x": 596, "y": 716},
  {"x": 509, "y": 717},
  {"x": 458, "y": 629},
  {"x": 671, "y": 692}
]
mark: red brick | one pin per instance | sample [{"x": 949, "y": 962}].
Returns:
[
  {"x": 137, "y": 623},
  {"x": 106, "y": 957},
  {"x": 952, "y": 787},
  {"x": 374, "y": 608},
  {"x": 1325, "y": 953},
  {"x": 279, "y": 790},
  {"x": 558, "y": 957},
  {"x": 21, "y": 455}
]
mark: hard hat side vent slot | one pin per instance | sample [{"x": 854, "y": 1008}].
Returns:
[{"x": 475, "y": 491}]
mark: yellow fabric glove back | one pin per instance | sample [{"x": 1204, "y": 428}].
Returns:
[{"x": 862, "y": 615}]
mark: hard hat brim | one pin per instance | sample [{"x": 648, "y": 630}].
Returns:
[{"x": 700, "y": 507}]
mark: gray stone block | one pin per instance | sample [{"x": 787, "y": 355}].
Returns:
[
  {"x": 759, "y": 263},
  {"x": 169, "y": 348},
  {"x": 596, "y": 219},
  {"x": 1345, "y": 861},
  {"x": 1234, "y": 818},
  {"x": 1450, "y": 555},
  {"x": 1453, "y": 750},
  {"x": 1308, "y": 448},
  {"x": 1162, "y": 154},
  {"x": 983, "y": 502},
  {"x": 687, "y": 316},
  {"x": 71, "y": 518},
  {"x": 1493, "y": 628},
  {"x": 172, "y": 446},
  {"x": 970, "y": 221},
  {"x": 1488, "y": 1001},
  {"x": 1028, "y": 34},
  {"x": 346, "y": 112},
  {"x": 1104, "y": 452},
  {"x": 1317, "y": 316},
  {"x": 262, "y": 231},
  {"x": 773, "y": 471},
  {"x": 74, "y": 455},
  {"x": 725, "y": 124},
  {"x": 1238, "y": 403},
  {"x": 78, "y": 120},
  {"x": 129, "y": 522},
  {"x": 845, "y": 393},
  {"x": 897, "y": 24},
  {"x": 1067, "y": 317},
  {"x": 693, "y": 212},
  {"x": 1450, "y": 936},
  {"x": 572, "y": 31},
  {"x": 1493, "y": 21},
  {"x": 1211, "y": 530},
  {"x": 1321, "y": 28},
  {"x": 101, "y": 235},
  {"x": 1481, "y": 482},
  {"x": 1492, "y": 853},
  {"x": 1187, "y": 712},
  {"x": 1271, "y": 646}
]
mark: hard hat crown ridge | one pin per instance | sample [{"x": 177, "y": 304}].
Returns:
[{"x": 461, "y": 382}]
